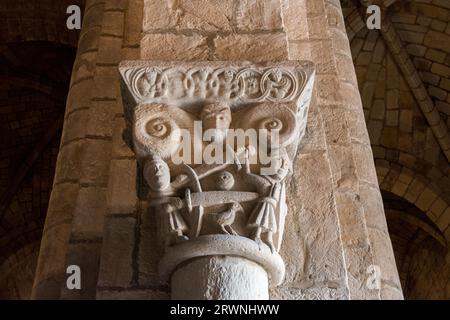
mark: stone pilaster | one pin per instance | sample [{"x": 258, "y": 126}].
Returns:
[{"x": 338, "y": 136}]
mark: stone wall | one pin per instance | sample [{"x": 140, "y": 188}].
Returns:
[{"x": 338, "y": 137}]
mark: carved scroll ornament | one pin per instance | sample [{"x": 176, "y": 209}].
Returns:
[{"x": 221, "y": 208}]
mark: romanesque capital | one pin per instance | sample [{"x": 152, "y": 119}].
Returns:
[{"x": 215, "y": 142}]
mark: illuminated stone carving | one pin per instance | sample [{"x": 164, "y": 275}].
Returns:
[{"x": 235, "y": 206}]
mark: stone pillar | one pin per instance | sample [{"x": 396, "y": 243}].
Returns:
[
  {"x": 220, "y": 278},
  {"x": 73, "y": 232},
  {"x": 336, "y": 162}
]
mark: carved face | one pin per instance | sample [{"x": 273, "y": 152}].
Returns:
[
  {"x": 157, "y": 175},
  {"x": 225, "y": 181},
  {"x": 216, "y": 117},
  {"x": 277, "y": 75},
  {"x": 228, "y": 75}
]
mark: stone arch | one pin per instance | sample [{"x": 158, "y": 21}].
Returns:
[
  {"x": 415, "y": 188},
  {"x": 421, "y": 251},
  {"x": 414, "y": 216}
]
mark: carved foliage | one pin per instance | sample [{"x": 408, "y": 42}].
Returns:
[{"x": 231, "y": 84}]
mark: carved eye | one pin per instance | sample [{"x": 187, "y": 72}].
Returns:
[
  {"x": 158, "y": 128},
  {"x": 271, "y": 124},
  {"x": 273, "y": 119}
]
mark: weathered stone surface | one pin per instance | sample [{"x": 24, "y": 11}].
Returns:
[
  {"x": 314, "y": 262},
  {"x": 109, "y": 50},
  {"x": 133, "y": 23},
  {"x": 257, "y": 48},
  {"x": 89, "y": 213},
  {"x": 95, "y": 157},
  {"x": 122, "y": 196},
  {"x": 295, "y": 22},
  {"x": 116, "y": 267},
  {"x": 54, "y": 247},
  {"x": 100, "y": 119},
  {"x": 259, "y": 15},
  {"x": 174, "y": 47},
  {"x": 76, "y": 124},
  {"x": 113, "y": 24},
  {"x": 230, "y": 278},
  {"x": 69, "y": 162},
  {"x": 214, "y": 15},
  {"x": 438, "y": 40},
  {"x": 106, "y": 83},
  {"x": 150, "y": 250}
]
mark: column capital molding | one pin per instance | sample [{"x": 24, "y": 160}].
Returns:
[{"x": 236, "y": 207}]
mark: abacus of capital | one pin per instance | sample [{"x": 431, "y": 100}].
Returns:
[{"x": 221, "y": 224}]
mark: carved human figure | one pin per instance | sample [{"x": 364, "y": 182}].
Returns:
[
  {"x": 277, "y": 85},
  {"x": 153, "y": 83},
  {"x": 225, "y": 182},
  {"x": 216, "y": 117},
  {"x": 163, "y": 196},
  {"x": 229, "y": 88},
  {"x": 263, "y": 218}
]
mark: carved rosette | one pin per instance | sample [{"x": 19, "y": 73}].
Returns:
[{"x": 229, "y": 208}]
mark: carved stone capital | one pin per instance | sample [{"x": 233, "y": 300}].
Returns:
[{"x": 228, "y": 111}]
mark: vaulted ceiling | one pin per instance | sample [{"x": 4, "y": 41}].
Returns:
[{"x": 36, "y": 57}]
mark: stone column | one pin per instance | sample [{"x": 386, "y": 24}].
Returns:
[
  {"x": 73, "y": 232},
  {"x": 349, "y": 208},
  {"x": 220, "y": 278}
]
